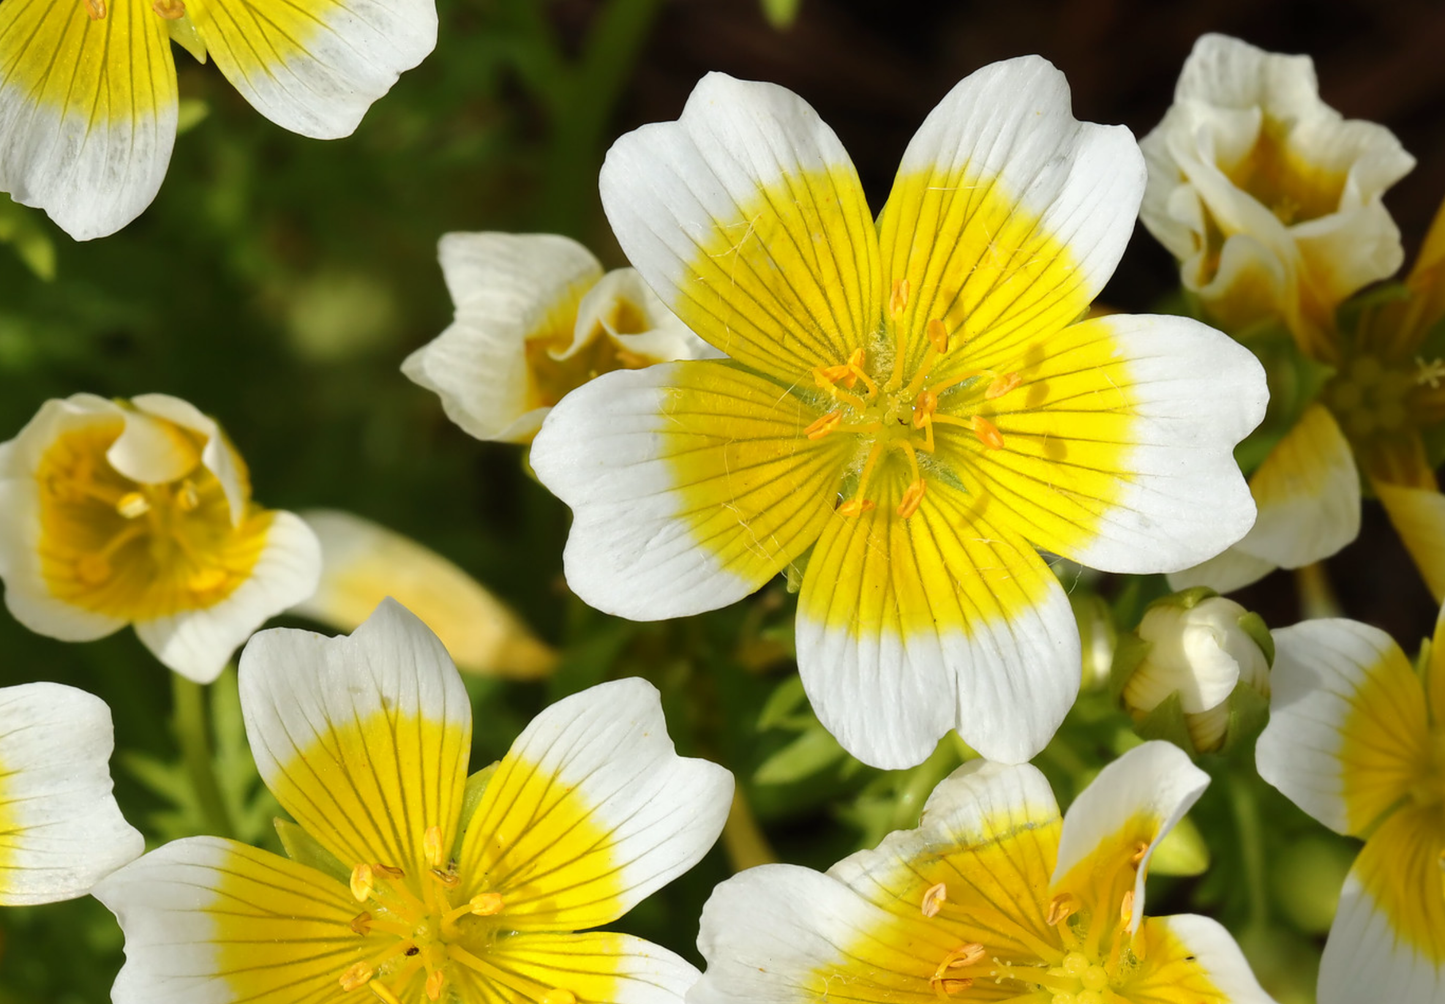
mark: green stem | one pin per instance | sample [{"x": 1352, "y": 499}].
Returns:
[
  {"x": 1251, "y": 847},
  {"x": 585, "y": 108},
  {"x": 189, "y": 723}
]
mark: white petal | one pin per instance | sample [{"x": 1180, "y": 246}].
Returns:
[
  {"x": 63, "y": 829},
  {"x": 1227, "y": 571},
  {"x": 315, "y": 67},
  {"x": 87, "y": 111},
  {"x": 1154, "y": 783},
  {"x": 662, "y": 336},
  {"x": 1215, "y": 952},
  {"x": 506, "y": 288},
  {"x": 974, "y": 806},
  {"x": 1308, "y": 494},
  {"x": 785, "y": 934},
  {"x": 1181, "y": 499},
  {"x": 216, "y": 453},
  {"x": 1333, "y": 680},
  {"x": 1010, "y": 123},
  {"x": 363, "y": 738},
  {"x": 592, "y": 810},
  {"x": 198, "y": 643}
]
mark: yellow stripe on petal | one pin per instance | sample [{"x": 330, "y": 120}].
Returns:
[
  {"x": 1168, "y": 970},
  {"x": 87, "y": 109},
  {"x": 944, "y": 619},
  {"x": 974, "y": 258},
  {"x": 592, "y": 968},
  {"x": 1384, "y": 738},
  {"x": 790, "y": 283},
  {"x": 1400, "y": 870},
  {"x": 1419, "y": 519}
]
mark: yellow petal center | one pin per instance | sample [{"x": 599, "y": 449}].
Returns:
[{"x": 137, "y": 551}]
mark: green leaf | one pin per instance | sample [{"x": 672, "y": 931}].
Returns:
[
  {"x": 811, "y": 753},
  {"x": 1253, "y": 625},
  {"x": 1128, "y": 653},
  {"x": 22, "y": 228},
  {"x": 1248, "y": 714},
  {"x": 783, "y": 702}
]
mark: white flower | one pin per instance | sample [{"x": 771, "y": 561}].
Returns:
[
  {"x": 140, "y": 512},
  {"x": 536, "y": 317},
  {"x": 408, "y": 880},
  {"x": 1201, "y": 652},
  {"x": 1270, "y": 200},
  {"x": 60, "y": 829}
]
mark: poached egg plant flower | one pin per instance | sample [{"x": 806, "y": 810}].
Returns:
[
  {"x": 1356, "y": 739},
  {"x": 139, "y": 512},
  {"x": 60, "y": 828},
  {"x": 409, "y": 881},
  {"x": 993, "y": 897},
  {"x": 1271, "y": 201},
  {"x": 88, "y": 99},
  {"x": 537, "y": 317},
  {"x": 909, "y": 406}
]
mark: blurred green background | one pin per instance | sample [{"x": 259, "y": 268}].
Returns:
[{"x": 278, "y": 282}]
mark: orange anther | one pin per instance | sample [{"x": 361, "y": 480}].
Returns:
[
  {"x": 1060, "y": 907},
  {"x": 362, "y": 879},
  {"x": 934, "y": 898},
  {"x": 388, "y": 871},
  {"x": 361, "y": 923},
  {"x": 487, "y": 904},
  {"x": 952, "y": 985},
  {"x": 937, "y": 334},
  {"x": 356, "y": 976},
  {"x": 824, "y": 425},
  {"x": 912, "y": 499},
  {"x": 899, "y": 298},
  {"x": 171, "y": 10},
  {"x": 96, "y": 9},
  {"x": 827, "y": 376},
  {"x": 449, "y": 879},
  {"x": 962, "y": 957},
  {"x": 987, "y": 433},
  {"x": 434, "y": 983},
  {"x": 855, "y": 507},
  {"x": 923, "y": 408},
  {"x": 1140, "y": 849},
  {"x": 431, "y": 846},
  {"x": 1002, "y": 385}
]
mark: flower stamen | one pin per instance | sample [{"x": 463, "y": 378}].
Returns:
[
  {"x": 96, "y": 9},
  {"x": 1002, "y": 385},
  {"x": 987, "y": 433},
  {"x": 171, "y": 10},
  {"x": 934, "y": 898},
  {"x": 898, "y": 299},
  {"x": 822, "y": 426},
  {"x": 356, "y": 977}
]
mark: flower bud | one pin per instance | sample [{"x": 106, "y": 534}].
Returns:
[{"x": 1200, "y": 646}]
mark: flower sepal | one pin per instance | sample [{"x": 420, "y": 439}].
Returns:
[{"x": 305, "y": 849}]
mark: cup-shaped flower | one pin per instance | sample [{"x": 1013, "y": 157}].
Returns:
[
  {"x": 537, "y": 317},
  {"x": 1201, "y": 648},
  {"x": 1357, "y": 740},
  {"x": 1269, "y": 199},
  {"x": 139, "y": 512},
  {"x": 60, "y": 829},
  {"x": 912, "y": 401},
  {"x": 88, "y": 102},
  {"x": 1371, "y": 420},
  {"x": 419, "y": 883},
  {"x": 993, "y": 897},
  {"x": 362, "y": 563}
]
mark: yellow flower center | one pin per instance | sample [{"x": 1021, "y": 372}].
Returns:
[
  {"x": 550, "y": 378},
  {"x": 1290, "y": 186},
  {"x": 137, "y": 551},
  {"x": 894, "y": 416},
  {"x": 419, "y": 928}
]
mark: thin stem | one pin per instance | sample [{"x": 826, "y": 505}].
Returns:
[
  {"x": 193, "y": 735},
  {"x": 1316, "y": 596},
  {"x": 1251, "y": 847},
  {"x": 743, "y": 839}
]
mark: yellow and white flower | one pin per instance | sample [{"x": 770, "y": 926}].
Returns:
[
  {"x": 60, "y": 829},
  {"x": 993, "y": 897},
  {"x": 420, "y": 883},
  {"x": 139, "y": 512},
  {"x": 908, "y": 404},
  {"x": 1200, "y": 649},
  {"x": 1270, "y": 200},
  {"x": 1372, "y": 419},
  {"x": 88, "y": 100},
  {"x": 1357, "y": 740},
  {"x": 362, "y": 563},
  {"x": 536, "y": 317}
]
